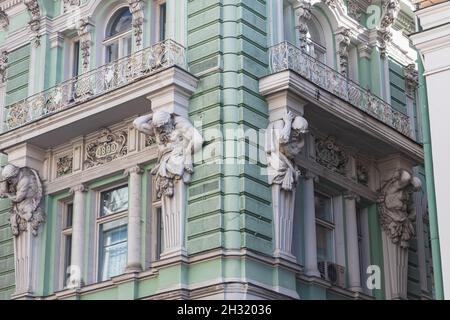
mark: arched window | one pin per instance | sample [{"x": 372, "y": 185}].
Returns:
[
  {"x": 118, "y": 35},
  {"x": 316, "y": 41}
]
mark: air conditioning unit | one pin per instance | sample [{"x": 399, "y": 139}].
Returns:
[{"x": 332, "y": 272}]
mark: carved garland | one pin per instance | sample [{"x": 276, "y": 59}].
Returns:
[
  {"x": 35, "y": 22},
  {"x": 3, "y": 66},
  {"x": 84, "y": 31},
  {"x": 137, "y": 10},
  {"x": 303, "y": 12},
  {"x": 391, "y": 9},
  {"x": 411, "y": 79},
  {"x": 70, "y": 3},
  {"x": 343, "y": 38},
  {"x": 4, "y": 21},
  {"x": 107, "y": 147}
]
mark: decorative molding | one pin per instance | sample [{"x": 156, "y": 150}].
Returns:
[
  {"x": 149, "y": 140},
  {"x": 64, "y": 165},
  {"x": 343, "y": 40},
  {"x": 106, "y": 148},
  {"x": 4, "y": 20},
  {"x": 23, "y": 187},
  {"x": 133, "y": 170},
  {"x": 404, "y": 22},
  {"x": 355, "y": 9},
  {"x": 137, "y": 11},
  {"x": 285, "y": 139},
  {"x": 411, "y": 79},
  {"x": 390, "y": 9},
  {"x": 35, "y": 22},
  {"x": 3, "y": 66},
  {"x": 78, "y": 188},
  {"x": 67, "y": 4},
  {"x": 84, "y": 28},
  {"x": 331, "y": 155},
  {"x": 396, "y": 207},
  {"x": 303, "y": 13}
]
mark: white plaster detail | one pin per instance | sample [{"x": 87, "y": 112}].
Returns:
[{"x": 35, "y": 22}]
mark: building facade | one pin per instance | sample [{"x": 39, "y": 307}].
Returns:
[
  {"x": 212, "y": 149},
  {"x": 432, "y": 39}
]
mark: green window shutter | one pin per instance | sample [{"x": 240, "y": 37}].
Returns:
[
  {"x": 397, "y": 85},
  {"x": 18, "y": 75}
]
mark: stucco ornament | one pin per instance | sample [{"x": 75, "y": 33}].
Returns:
[
  {"x": 396, "y": 214},
  {"x": 137, "y": 11},
  {"x": 390, "y": 9},
  {"x": 3, "y": 66},
  {"x": 303, "y": 13},
  {"x": 4, "y": 21},
  {"x": 177, "y": 141},
  {"x": 284, "y": 140},
  {"x": 23, "y": 187},
  {"x": 343, "y": 38},
  {"x": 35, "y": 22}
]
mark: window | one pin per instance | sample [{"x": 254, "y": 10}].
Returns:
[
  {"x": 316, "y": 41},
  {"x": 324, "y": 227},
  {"x": 118, "y": 36},
  {"x": 75, "y": 58},
  {"x": 67, "y": 241},
  {"x": 162, "y": 21},
  {"x": 113, "y": 232}
]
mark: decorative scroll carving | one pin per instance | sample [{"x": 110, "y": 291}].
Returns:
[
  {"x": 303, "y": 12},
  {"x": 3, "y": 66},
  {"x": 354, "y": 9},
  {"x": 396, "y": 212},
  {"x": 177, "y": 140},
  {"x": 35, "y": 22},
  {"x": 108, "y": 147},
  {"x": 343, "y": 38},
  {"x": 84, "y": 31},
  {"x": 149, "y": 140},
  {"x": 23, "y": 187},
  {"x": 331, "y": 155},
  {"x": 64, "y": 165},
  {"x": 137, "y": 10},
  {"x": 362, "y": 174},
  {"x": 70, "y": 3},
  {"x": 284, "y": 140},
  {"x": 411, "y": 79},
  {"x": 391, "y": 9},
  {"x": 4, "y": 21}
]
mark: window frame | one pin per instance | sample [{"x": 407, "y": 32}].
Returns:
[
  {"x": 99, "y": 221},
  {"x": 118, "y": 39},
  {"x": 64, "y": 233},
  {"x": 329, "y": 225}
]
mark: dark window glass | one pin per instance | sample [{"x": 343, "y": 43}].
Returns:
[
  {"x": 162, "y": 22},
  {"x": 120, "y": 23},
  {"x": 113, "y": 201}
]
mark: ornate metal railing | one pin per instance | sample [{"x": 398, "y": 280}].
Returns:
[
  {"x": 285, "y": 56},
  {"x": 95, "y": 83}
]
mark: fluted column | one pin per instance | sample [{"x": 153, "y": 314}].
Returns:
[
  {"x": 134, "y": 219},
  {"x": 354, "y": 276},
  {"x": 310, "y": 225},
  {"x": 79, "y": 197}
]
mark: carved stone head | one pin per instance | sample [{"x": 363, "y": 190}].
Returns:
[{"x": 10, "y": 172}]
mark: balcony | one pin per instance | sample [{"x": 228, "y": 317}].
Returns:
[
  {"x": 285, "y": 57},
  {"x": 95, "y": 83}
]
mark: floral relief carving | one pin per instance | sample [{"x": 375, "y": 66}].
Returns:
[
  {"x": 3, "y": 66},
  {"x": 303, "y": 13},
  {"x": 411, "y": 79},
  {"x": 23, "y": 187},
  {"x": 137, "y": 10},
  {"x": 70, "y": 3},
  {"x": 4, "y": 20},
  {"x": 35, "y": 22},
  {"x": 390, "y": 9},
  {"x": 343, "y": 38},
  {"x": 64, "y": 165},
  {"x": 107, "y": 147},
  {"x": 331, "y": 155}
]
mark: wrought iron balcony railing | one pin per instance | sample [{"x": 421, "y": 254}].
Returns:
[
  {"x": 285, "y": 56},
  {"x": 95, "y": 83}
]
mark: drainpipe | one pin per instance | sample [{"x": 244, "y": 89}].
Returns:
[{"x": 432, "y": 211}]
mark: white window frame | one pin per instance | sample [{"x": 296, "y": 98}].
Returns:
[
  {"x": 64, "y": 233},
  {"x": 330, "y": 225},
  {"x": 102, "y": 220},
  {"x": 119, "y": 38},
  {"x": 158, "y": 21}
]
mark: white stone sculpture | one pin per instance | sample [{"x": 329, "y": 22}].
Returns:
[
  {"x": 177, "y": 141},
  {"x": 396, "y": 215},
  {"x": 23, "y": 187},
  {"x": 3, "y": 66},
  {"x": 285, "y": 139}
]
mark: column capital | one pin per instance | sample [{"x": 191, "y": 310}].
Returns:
[
  {"x": 308, "y": 174},
  {"x": 133, "y": 170},
  {"x": 350, "y": 195},
  {"x": 78, "y": 188}
]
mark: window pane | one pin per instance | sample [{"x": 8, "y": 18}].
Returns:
[
  {"x": 324, "y": 243},
  {"x": 160, "y": 244},
  {"x": 120, "y": 23},
  {"x": 112, "y": 52},
  {"x": 113, "y": 201},
  {"x": 69, "y": 216},
  {"x": 67, "y": 257},
  {"x": 162, "y": 22},
  {"x": 113, "y": 249},
  {"x": 76, "y": 59},
  {"x": 323, "y": 207},
  {"x": 127, "y": 44}
]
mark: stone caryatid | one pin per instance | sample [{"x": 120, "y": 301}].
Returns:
[
  {"x": 177, "y": 140},
  {"x": 396, "y": 213},
  {"x": 23, "y": 187},
  {"x": 285, "y": 139}
]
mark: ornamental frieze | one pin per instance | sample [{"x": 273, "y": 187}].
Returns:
[
  {"x": 331, "y": 155},
  {"x": 107, "y": 147},
  {"x": 64, "y": 165}
]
